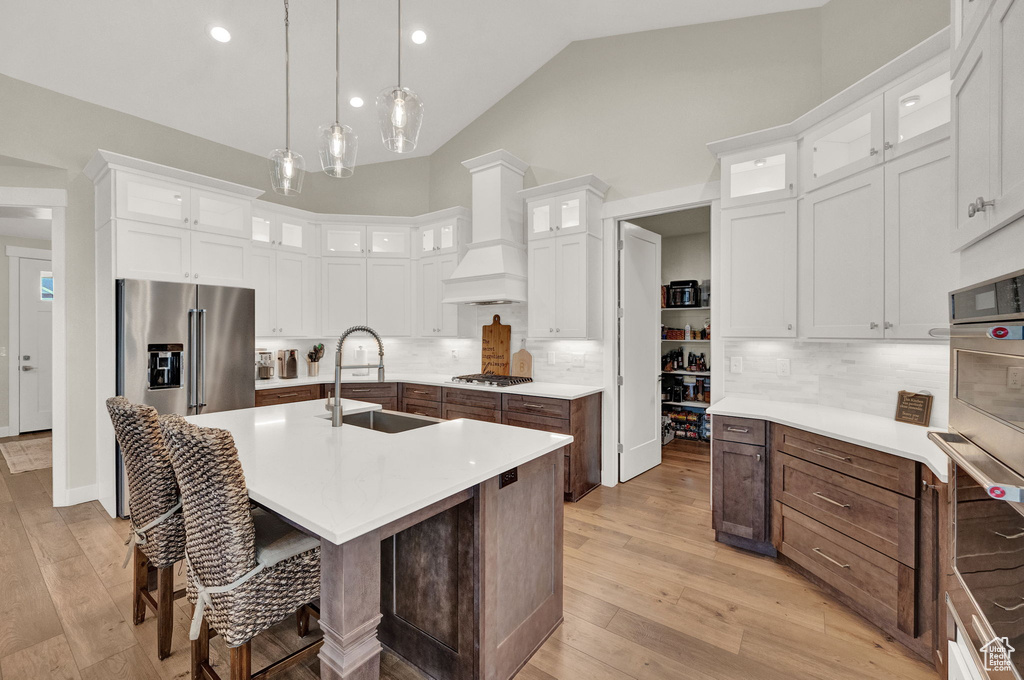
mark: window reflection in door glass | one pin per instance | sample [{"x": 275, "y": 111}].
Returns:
[{"x": 46, "y": 285}]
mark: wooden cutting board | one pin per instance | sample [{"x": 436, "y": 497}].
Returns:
[
  {"x": 522, "y": 364},
  {"x": 497, "y": 341}
]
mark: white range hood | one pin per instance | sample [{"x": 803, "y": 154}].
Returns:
[{"x": 493, "y": 270}]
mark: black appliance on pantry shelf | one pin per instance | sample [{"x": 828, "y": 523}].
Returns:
[{"x": 683, "y": 294}]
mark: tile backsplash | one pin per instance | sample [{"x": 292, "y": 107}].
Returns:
[
  {"x": 434, "y": 355},
  {"x": 860, "y": 376}
]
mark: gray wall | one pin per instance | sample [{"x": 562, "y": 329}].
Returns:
[
  {"x": 859, "y": 36},
  {"x": 5, "y": 266}
]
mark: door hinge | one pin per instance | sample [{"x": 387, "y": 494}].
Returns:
[
  {"x": 618, "y": 447},
  {"x": 621, "y": 312},
  {"x": 622, "y": 245},
  {"x": 618, "y": 380}
]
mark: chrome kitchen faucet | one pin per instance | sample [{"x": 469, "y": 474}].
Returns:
[{"x": 336, "y": 406}]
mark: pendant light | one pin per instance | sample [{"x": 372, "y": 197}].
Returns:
[
  {"x": 338, "y": 144},
  {"x": 399, "y": 109},
  {"x": 286, "y": 166}
]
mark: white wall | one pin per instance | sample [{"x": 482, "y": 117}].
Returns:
[
  {"x": 686, "y": 258},
  {"x": 858, "y": 375}
]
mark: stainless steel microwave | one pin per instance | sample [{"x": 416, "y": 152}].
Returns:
[{"x": 986, "y": 446}]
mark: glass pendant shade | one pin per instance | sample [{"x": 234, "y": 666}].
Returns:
[
  {"x": 400, "y": 112},
  {"x": 338, "y": 146},
  {"x": 286, "y": 171}
]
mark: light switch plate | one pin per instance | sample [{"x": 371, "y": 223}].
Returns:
[
  {"x": 736, "y": 364},
  {"x": 551, "y": 358},
  {"x": 579, "y": 361},
  {"x": 455, "y": 355},
  {"x": 782, "y": 366}
]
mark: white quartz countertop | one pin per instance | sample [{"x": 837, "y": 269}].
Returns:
[
  {"x": 340, "y": 483},
  {"x": 873, "y": 432},
  {"x": 535, "y": 389}
]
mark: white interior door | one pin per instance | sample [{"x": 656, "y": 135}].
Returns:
[
  {"x": 639, "y": 351},
  {"x": 35, "y": 345}
]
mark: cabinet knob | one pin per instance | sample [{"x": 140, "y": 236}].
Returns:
[
  {"x": 873, "y": 152},
  {"x": 979, "y": 205},
  {"x": 551, "y": 330},
  {"x": 196, "y": 221},
  {"x": 889, "y": 146},
  {"x": 888, "y": 324},
  {"x": 186, "y": 220},
  {"x": 789, "y": 326},
  {"x": 873, "y": 325},
  {"x": 558, "y": 330},
  {"x": 186, "y": 275},
  {"x": 195, "y": 276},
  {"x": 273, "y": 330}
]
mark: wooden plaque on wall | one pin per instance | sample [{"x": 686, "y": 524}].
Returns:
[{"x": 914, "y": 408}]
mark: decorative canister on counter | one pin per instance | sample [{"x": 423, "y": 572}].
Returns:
[{"x": 313, "y": 358}]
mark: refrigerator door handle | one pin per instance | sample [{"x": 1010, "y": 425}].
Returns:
[
  {"x": 201, "y": 382},
  {"x": 193, "y": 363}
]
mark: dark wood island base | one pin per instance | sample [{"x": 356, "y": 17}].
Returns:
[{"x": 466, "y": 588}]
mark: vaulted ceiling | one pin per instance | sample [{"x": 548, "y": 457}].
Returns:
[{"x": 154, "y": 58}]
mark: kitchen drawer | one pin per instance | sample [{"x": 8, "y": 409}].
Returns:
[
  {"x": 870, "y": 580},
  {"x": 287, "y": 395},
  {"x": 739, "y": 430},
  {"x": 476, "y": 398},
  {"x": 421, "y": 408},
  {"x": 882, "y": 469},
  {"x": 538, "y": 406},
  {"x": 453, "y": 411},
  {"x": 364, "y": 391},
  {"x": 421, "y": 392},
  {"x": 878, "y": 518},
  {"x": 535, "y": 422}
]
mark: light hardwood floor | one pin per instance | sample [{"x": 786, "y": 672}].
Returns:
[{"x": 648, "y": 595}]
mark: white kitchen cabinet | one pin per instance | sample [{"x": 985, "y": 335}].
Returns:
[
  {"x": 972, "y": 151},
  {"x": 287, "y": 294},
  {"x": 344, "y": 294},
  {"x": 1007, "y": 110},
  {"x": 221, "y": 214},
  {"x": 842, "y": 250},
  {"x": 759, "y": 175},
  {"x": 848, "y": 144},
  {"x": 151, "y": 200},
  {"x": 220, "y": 260},
  {"x": 920, "y": 269},
  {"x": 152, "y": 252},
  {"x": 342, "y": 240},
  {"x": 917, "y": 111},
  {"x": 758, "y": 291},
  {"x": 389, "y": 296},
  {"x": 968, "y": 17},
  {"x": 284, "y": 232},
  {"x": 437, "y": 239},
  {"x": 563, "y": 280},
  {"x": 572, "y": 206},
  {"x": 386, "y": 241},
  {"x": 434, "y": 318}
]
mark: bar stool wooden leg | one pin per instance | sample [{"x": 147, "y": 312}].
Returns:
[
  {"x": 140, "y": 564},
  {"x": 201, "y": 652},
  {"x": 241, "y": 662},
  {"x": 165, "y": 611},
  {"x": 302, "y": 621}
]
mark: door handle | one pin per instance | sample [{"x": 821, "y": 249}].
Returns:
[
  {"x": 192, "y": 359},
  {"x": 202, "y": 357},
  {"x": 1009, "y": 537},
  {"x": 28, "y": 368},
  {"x": 1010, "y": 609}
]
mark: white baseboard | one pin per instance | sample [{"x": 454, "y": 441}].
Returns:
[
  {"x": 78, "y": 494},
  {"x": 5, "y": 431}
]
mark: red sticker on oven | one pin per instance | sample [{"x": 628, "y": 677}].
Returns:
[
  {"x": 1006, "y": 332},
  {"x": 997, "y": 492},
  {"x": 999, "y": 332}
]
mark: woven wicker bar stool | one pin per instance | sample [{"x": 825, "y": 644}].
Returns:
[
  {"x": 247, "y": 569},
  {"x": 158, "y": 527}
]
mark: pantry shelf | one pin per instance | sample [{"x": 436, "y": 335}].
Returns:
[
  {"x": 687, "y": 372},
  {"x": 691, "y": 404}
]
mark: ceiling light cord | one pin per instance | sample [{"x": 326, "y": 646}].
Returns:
[
  {"x": 337, "y": 63},
  {"x": 287, "y": 85},
  {"x": 399, "y": 44}
]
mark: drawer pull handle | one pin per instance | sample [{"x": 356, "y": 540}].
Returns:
[
  {"x": 417, "y": 413},
  {"x": 741, "y": 430},
  {"x": 1010, "y": 609},
  {"x": 835, "y": 562},
  {"x": 1009, "y": 537},
  {"x": 354, "y": 391},
  {"x": 833, "y": 455},
  {"x": 534, "y": 405},
  {"x": 829, "y": 500}
]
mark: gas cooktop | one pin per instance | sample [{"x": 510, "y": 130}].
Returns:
[{"x": 491, "y": 379}]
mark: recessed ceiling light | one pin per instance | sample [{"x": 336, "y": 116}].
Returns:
[
  {"x": 912, "y": 100},
  {"x": 760, "y": 163},
  {"x": 219, "y": 33},
  {"x": 419, "y": 37},
  {"x": 356, "y": 101}
]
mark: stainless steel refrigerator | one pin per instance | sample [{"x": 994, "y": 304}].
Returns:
[{"x": 184, "y": 348}]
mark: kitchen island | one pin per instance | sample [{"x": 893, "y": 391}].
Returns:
[{"x": 442, "y": 540}]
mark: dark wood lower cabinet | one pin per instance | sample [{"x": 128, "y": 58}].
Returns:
[
  {"x": 453, "y": 411},
  {"x": 740, "y": 500},
  {"x": 287, "y": 395}
]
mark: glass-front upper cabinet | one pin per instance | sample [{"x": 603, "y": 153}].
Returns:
[
  {"x": 343, "y": 240},
  {"x": 221, "y": 214},
  {"x": 387, "y": 241},
  {"x": 151, "y": 200},
  {"x": 281, "y": 231},
  {"x": 845, "y": 145},
  {"x": 917, "y": 111},
  {"x": 759, "y": 175},
  {"x": 564, "y": 214},
  {"x": 438, "y": 239}
]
